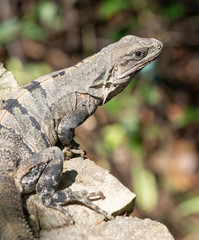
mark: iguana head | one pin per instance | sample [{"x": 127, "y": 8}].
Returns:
[{"x": 128, "y": 56}]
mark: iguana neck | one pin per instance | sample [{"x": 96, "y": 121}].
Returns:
[{"x": 87, "y": 77}]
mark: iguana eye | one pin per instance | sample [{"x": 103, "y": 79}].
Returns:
[{"x": 139, "y": 54}]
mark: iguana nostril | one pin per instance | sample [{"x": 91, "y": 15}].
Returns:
[{"x": 159, "y": 46}]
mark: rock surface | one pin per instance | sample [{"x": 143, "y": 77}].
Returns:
[
  {"x": 121, "y": 228},
  {"x": 83, "y": 174},
  {"x": 8, "y": 84}
]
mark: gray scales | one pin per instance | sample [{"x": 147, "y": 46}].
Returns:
[{"x": 46, "y": 112}]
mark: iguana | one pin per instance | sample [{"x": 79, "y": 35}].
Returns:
[{"x": 47, "y": 111}]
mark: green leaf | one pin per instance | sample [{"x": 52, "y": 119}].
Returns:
[
  {"x": 109, "y": 8},
  {"x": 9, "y": 30},
  {"x": 48, "y": 14},
  {"x": 190, "y": 206},
  {"x": 191, "y": 115},
  {"x": 47, "y": 11},
  {"x": 33, "y": 30},
  {"x": 174, "y": 11},
  {"x": 114, "y": 136},
  {"x": 145, "y": 187}
]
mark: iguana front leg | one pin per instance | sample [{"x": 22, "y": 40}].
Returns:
[
  {"x": 66, "y": 129},
  {"x": 43, "y": 173}
]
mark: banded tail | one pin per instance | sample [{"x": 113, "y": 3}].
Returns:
[{"x": 13, "y": 225}]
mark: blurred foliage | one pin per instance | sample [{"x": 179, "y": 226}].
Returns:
[
  {"x": 32, "y": 24},
  {"x": 174, "y": 11},
  {"x": 109, "y": 8},
  {"x": 147, "y": 136},
  {"x": 146, "y": 188},
  {"x": 30, "y": 71},
  {"x": 9, "y": 30},
  {"x": 189, "y": 206},
  {"x": 114, "y": 136}
]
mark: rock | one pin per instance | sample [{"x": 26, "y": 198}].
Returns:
[
  {"x": 83, "y": 174},
  {"x": 8, "y": 84},
  {"x": 121, "y": 228}
]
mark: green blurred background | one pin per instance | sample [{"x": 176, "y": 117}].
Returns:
[{"x": 148, "y": 135}]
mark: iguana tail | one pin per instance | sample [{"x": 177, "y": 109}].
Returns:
[{"x": 13, "y": 225}]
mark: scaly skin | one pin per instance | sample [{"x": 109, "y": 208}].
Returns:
[{"x": 46, "y": 111}]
